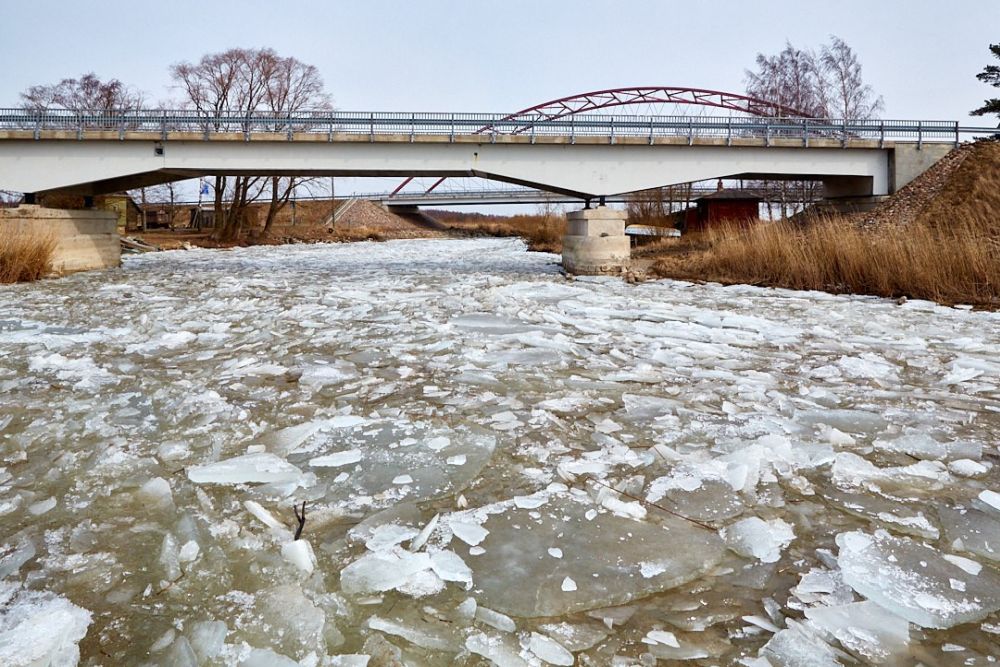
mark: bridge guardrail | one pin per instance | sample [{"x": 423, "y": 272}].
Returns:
[{"x": 489, "y": 125}]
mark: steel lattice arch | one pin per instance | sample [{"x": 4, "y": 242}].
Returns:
[{"x": 617, "y": 97}]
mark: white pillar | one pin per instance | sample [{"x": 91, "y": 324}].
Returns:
[{"x": 595, "y": 242}]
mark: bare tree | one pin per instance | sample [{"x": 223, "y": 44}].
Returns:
[
  {"x": 87, "y": 94},
  {"x": 248, "y": 81},
  {"x": 843, "y": 89},
  {"x": 792, "y": 78},
  {"x": 293, "y": 86},
  {"x": 828, "y": 84}
]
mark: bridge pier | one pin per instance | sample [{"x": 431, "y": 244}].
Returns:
[{"x": 595, "y": 242}]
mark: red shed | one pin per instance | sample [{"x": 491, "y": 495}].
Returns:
[{"x": 725, "y": 205}]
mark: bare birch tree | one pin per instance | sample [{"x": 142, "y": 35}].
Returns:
[
  {"x": 843, "y": 89},
  {"x": 827, "y": 84}
]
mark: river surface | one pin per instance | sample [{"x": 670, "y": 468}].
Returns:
[{"x": 498, "y": 465}]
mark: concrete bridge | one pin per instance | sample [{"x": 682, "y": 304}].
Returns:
[
  {"x": 553, "y": 147},
  {"x": 585, "y": 158}
]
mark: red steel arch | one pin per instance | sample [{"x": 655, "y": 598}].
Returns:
[{"x": 615, "y": 97}]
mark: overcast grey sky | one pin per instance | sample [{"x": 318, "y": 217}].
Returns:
[{"x": 437, "y": 55}]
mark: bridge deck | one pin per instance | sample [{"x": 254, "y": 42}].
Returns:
[{"x": 349, "y": 137}]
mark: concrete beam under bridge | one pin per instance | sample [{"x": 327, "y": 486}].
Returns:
[{"x": 582, "y": 169}]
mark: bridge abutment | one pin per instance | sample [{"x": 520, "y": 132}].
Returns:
[
  {"x": 595, "y": 242},
  {"x": 85, "y": 240}
]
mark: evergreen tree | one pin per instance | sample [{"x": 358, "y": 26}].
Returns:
[{"x": 990, "y": 75}]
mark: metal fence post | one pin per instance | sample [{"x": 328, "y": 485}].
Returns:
[
  {"x": 957, "y": 140},
  {"x": 920, "y": 135},
  {"x": 805, "y": 133},
  {"x": 371, "y": 127},
  {"x": 767, "y": 133},
  {"x": 881, "y": 134}
]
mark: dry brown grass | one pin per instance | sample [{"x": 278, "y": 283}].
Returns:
[
  {"x": 542, "y": 233},
  {"x": 950, "y": 261},
  {"x": 25, "y": 257}
]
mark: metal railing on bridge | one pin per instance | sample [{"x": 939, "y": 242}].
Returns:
[{"x": 487, "y": 125}]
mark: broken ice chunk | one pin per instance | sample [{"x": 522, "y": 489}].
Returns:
[
  {"x": 156, "y": 493},
  {"x": 601, "y": 558},
  {"x": 277, "y": 529},
  {"x": 914, "y": 581},
  {"x": 797, "y": 647},
  {"x": 389, "y": 535},
  {"x": 549, "y": 650},
  {"x": 495, "y": 619},
  {"x": 337, "y": 459},
  {"x": 661, "y": 637},
  {"x": 756, "y": 538},
  {"x": 42, "y": 506},
  {"x": 698, "y": 492},
  {"x": 923, "y": 446},
  {"x": 991, "y": 498},
  {"x": 470, "y": 533},
  {"x": 388, "y": 473},
  {"x": 972, "y": 531},
  {"x": 419, "y": 632},
  {"x": 500, "y": 650},
  {"x": 39, "y": 628},
  {"x": 450, "y": 567},
  {"x": 260, "y": 468},
  {"x": 300, "y": 554},
  {"x": 13, "y": 557},
  {"x": 864, "y": 628},
  {"x": 852, "y": 471},
  {"x": 264, "y": 657}
]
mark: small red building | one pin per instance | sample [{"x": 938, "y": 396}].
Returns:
[{"x": 722, "y": 206}]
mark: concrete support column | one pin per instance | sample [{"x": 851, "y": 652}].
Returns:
[{"x": 595, "y": 242}]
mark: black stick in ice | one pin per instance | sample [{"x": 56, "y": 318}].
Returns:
[{"x": 301, "y": 518}]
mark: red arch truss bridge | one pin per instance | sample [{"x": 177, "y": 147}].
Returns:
[
  {"x": 616, "y": 97},
  {"x": 583, "y": 103}
]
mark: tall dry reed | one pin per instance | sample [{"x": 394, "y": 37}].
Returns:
[
  {"x": 25, "y": 257},
  {"x": 949, "y": 261}
]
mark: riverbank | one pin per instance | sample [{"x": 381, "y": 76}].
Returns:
[{"x": 937, "y": 239}]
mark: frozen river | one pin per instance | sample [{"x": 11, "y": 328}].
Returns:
[{"x": 498, "y": 464}]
